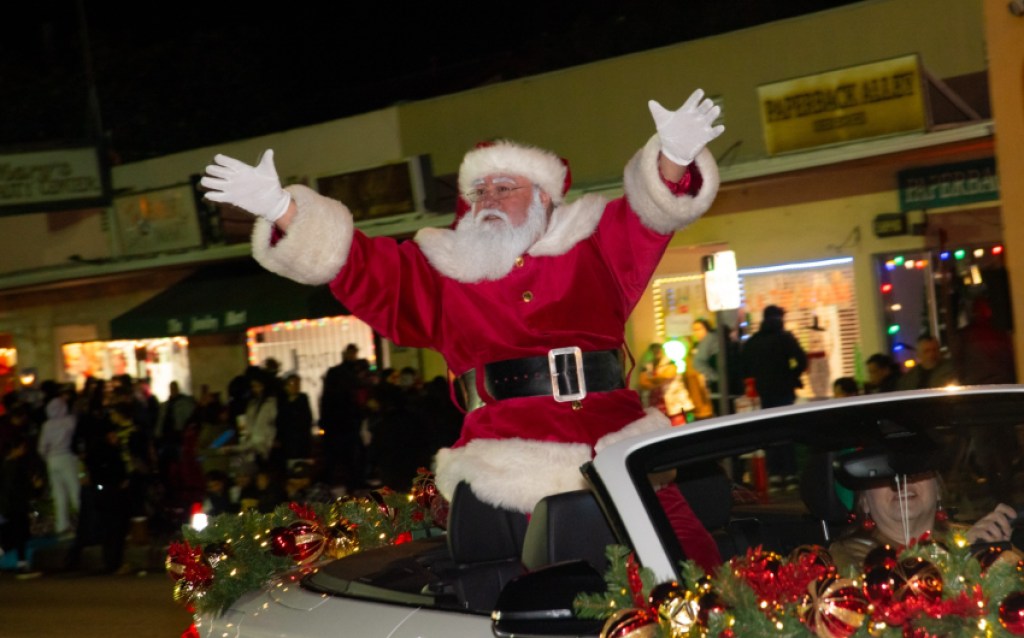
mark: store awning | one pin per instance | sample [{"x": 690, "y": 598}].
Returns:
[{"x": 225, "y": 297}]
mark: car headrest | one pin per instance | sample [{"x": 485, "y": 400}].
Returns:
[
  {"x": 480, "y": 533},
  {"x": 568, "y": 526}
]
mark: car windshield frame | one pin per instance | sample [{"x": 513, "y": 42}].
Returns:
[{"x": 620, "y": 472}]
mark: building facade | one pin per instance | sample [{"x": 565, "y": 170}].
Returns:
[{"x": 816, "y": 224}]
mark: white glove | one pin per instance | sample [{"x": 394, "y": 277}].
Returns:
[
  {"x": 256, "y": 189},
  {"x": 685, "y": 132}
]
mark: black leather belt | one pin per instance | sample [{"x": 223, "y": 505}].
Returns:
[{"x": 565, "y": 374}]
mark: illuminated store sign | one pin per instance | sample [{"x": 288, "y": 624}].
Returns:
[{"x": 860, "y": 102}]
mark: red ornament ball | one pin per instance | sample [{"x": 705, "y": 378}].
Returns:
[
  {"x": 282, "y": 541},
  {"x": 1011, "y": 613},
  {"x": 819, "y": 555},
  {"x": 835, "y": 608},
  {"x": 921, "y": 579},
  {"x": 309, "y": 541},
  {"x": 989, "y": 555},
  {"x": 881, "y": 556},
  {"x": 880, "y": 585}
]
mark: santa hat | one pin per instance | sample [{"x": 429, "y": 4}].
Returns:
[{"x": 543, "y": 168}]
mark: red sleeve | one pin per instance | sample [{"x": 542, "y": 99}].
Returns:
[
  {"x": 276, "y": 234},
  {"x": 690, "y": 182}
]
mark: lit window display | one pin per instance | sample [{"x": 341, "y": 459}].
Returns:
[
  {"x": 932, "y": 292},
  {"x": 160, "y": 360},
  {"x": 820, "y": 305},
  {"x": 309, "y": 347},
  {"x": 8, "y": 366}
]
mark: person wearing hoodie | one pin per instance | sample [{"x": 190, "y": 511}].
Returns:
[
  {"x": 55, "y": 447},
  {"x": 775, "y": 359}
]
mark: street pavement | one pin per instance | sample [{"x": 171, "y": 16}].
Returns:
[
  {"x": 87, "y": 602},
  {"x": 88, "y": 605}
]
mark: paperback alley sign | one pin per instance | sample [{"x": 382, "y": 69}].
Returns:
[
  {"x": 53, "y": 180},
  {"x": 859, "y": 102},
  {"x": 949, "y": 185}
]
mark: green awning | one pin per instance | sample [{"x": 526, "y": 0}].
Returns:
[{"x": 226, "y": 297}]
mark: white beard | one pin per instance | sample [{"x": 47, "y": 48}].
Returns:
[{"x": 489, "y": 249}]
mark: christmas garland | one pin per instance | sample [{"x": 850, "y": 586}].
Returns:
[
  {"x": 924, "y": 590},
  {"x": 238, "y": 553}
]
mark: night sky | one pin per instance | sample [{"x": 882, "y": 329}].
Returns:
[{"x": 174, "y": 76}]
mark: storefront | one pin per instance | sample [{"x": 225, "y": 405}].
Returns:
[
  {"x": 821, "y": 310},
  {"x": 222, "y": 318},
  {"x": 8, "y": 366},
  {"x": 161, "y": 361},
  {"x": 308, "y": 347}
]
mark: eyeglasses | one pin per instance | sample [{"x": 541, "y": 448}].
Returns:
[{"x": 497, "y": 193}]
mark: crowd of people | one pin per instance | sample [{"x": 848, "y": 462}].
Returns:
[
  {"x": 110, "y": 462},
  {"x": 775, "y": 361}
]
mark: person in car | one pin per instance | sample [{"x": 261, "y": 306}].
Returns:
[
  {"x": 520, "y": 278},
  {"x": 897, "y": 509}
]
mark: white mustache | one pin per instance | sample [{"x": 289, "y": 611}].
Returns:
[{"x": 487, "y": 213}]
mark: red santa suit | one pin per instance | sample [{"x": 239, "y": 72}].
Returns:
[{"x": 575, "y": 287}]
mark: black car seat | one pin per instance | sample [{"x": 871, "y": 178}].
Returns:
[
  {"x": 485, "y": 544},
  {"x": 565, "y": 527}
]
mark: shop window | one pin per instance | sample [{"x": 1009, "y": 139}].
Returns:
[
  {"x": 309, "y": 347},
  {"x": 819, "y": 300},
  {"x": 159, "y": 360},
  {"x": 8, "y": 364},
  {"x": 932, "y": 292},
  {"x": 821, "y": 310}
]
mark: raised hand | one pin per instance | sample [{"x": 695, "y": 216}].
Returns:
[
  {"x": 685, "y": 132},
  {"x": 256, "y": 189}
]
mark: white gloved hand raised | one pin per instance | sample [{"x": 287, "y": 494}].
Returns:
[
  {"x": 685, "y": 132},
  {"x": 256, "y": 189}
]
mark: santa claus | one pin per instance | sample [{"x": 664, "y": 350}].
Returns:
[{"x": 526, "y": 297}]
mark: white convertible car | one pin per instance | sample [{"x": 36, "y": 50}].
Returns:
[{"x": 481, "y": 580}]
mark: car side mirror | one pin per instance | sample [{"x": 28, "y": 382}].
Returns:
[{"x": 540, "y": 603}]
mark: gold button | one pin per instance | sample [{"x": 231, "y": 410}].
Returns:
[
  {"x": 577, "y": 405},
  {"x": 520, "y": 261},
  {"x": 527, "y": 296}
]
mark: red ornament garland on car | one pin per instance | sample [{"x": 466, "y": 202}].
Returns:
[
  {"x": 237, "y": 553},
  {"x": 922, "y": 591}
]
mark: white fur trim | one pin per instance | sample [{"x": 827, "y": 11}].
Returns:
[
  {"x": 653, "y": 421},
  {"x": 569, "y": 225},
  {"x": 316, "y": 245},
  {"x": 505, "y": 157},
  {"x": 436, "y": 244},
  {"x": 658, "y": 208},
  {"x": 512, "y": 473}
]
